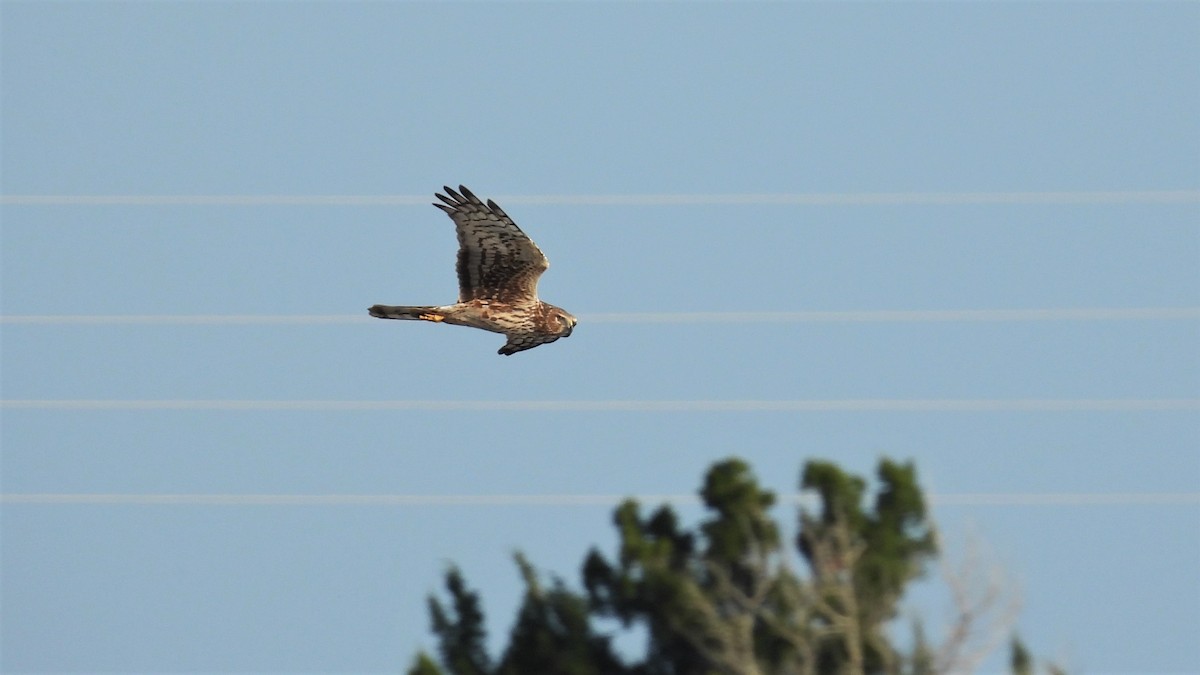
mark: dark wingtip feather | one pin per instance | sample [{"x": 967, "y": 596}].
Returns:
[
  {"x": 463, "y": 195},
  {"x": 496, "y": 208},
  {"x": 469, "y": 195}
]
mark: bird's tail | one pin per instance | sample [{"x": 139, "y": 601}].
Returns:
[{"x": 424, "y": 313}]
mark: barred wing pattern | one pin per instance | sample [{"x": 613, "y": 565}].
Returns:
[
  {"x": 496, "y": 260},
  {"x": 498, "y": 272}
]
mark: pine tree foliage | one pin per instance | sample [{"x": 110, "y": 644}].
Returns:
[
  {"x": 860, "y": 560},
  {"x": 461, "y": 634},
  {"x": 553, "y": 633},
  {"x": 723, "y": 598},
  {"x": 423, "y": 665},
  {"x": 1020, "y": 661},
  {"x": 921, "y": 661}
]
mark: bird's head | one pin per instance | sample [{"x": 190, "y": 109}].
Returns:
[{"x": 562, "y": 320}]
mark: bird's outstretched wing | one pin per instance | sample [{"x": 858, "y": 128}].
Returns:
[{"x": 496, "y": 260}]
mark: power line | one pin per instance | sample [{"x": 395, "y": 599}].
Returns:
[
  {"x": 906, "y": 316},
  {"x": 731, "y": 199},
  {"x": 949, "y": 499},
  {"x": 679, "y": 406},
  {"x": 841, "y": 316},
  {"x": 181, "y": 319}
]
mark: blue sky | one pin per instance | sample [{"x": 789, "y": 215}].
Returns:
[{"x": 574, "y": 101}]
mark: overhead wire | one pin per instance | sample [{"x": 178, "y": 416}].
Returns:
[
  {"x": 699, "y": 199},
  {"x": 600, "y": 406},
  {"x": 547, "y": 500},
  {"x": 832, "y": 316}
]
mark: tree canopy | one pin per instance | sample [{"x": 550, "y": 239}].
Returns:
[{"x": 723, "y": 597}]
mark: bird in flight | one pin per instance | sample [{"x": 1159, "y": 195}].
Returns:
[{"x": 498, "y": 270}]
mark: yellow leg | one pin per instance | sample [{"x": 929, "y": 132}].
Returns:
[{"x": 432, "y": 317}]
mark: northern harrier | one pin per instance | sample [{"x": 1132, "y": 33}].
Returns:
[{"x": 498, "y": 270}]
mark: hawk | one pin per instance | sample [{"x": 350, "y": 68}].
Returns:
[{"x": 498, "y": 270}]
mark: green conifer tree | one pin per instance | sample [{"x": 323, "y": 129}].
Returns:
[{"x": 721, "y": 599}]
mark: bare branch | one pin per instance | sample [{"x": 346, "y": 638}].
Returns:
[{"x": 986, "y": 603}]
